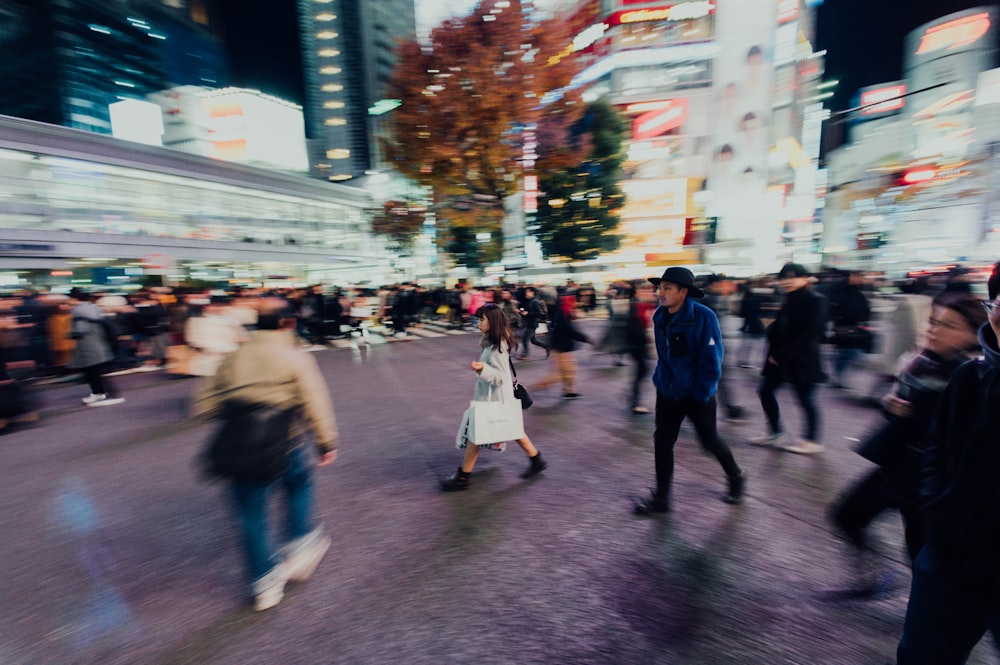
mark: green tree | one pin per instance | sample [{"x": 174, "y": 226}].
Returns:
[
  {"x": 578, "y": 208},
  {"x": 467, "y": 97}
]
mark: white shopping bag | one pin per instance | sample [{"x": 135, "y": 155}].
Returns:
[{"x": 493, "y": 422}]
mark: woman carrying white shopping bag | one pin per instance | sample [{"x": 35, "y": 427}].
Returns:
[{"x": 494, "y": 415}]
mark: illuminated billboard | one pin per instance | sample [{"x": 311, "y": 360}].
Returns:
[
  {"x": 660, "y": 121},
  {"x": 880, "y": 101},
  {"x": 942, "y": 62},
  {"x": 684, "y": 11},
  {"x": 235, "y": 124}
]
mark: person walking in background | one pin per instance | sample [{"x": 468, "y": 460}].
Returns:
[
  {"x": 753, "y": 329},
  {"x": 897, "y": 447},
  {"x": 689, "y": 363},
  {"x": 532, "y": 313},
  {"x": 908, "y": 324},
  {"x": 95, "y": 348},
  {"x": 955, "y": 592},
  {"x": 563, "y": 337},
  {"x": 715, "y": 299},
  {"x": 493, "y": 383},
  {"x": 793, "y": 356},
  {"x": 510, "y": 310},
  {"x": 270, "y": 369},
  {"x": 641, "y": 307},
  {"x": 850, "y": 312}
]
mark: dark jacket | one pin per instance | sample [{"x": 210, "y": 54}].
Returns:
[
  {"x": 535, "y": 312},
  {"x": 899, "y": 445},
  {"x": 563, "y": 335},
  {"x": 751, "y": 310},
  {"x": 689, "y": 352},
  {"x": 960, "y": 492},
  {"x": 794, "y": 338}
]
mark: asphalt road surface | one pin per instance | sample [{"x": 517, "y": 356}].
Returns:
[{"x": 115, "y": 551}]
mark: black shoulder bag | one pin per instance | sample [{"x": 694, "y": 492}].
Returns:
[
  {"x": 253, "y": 442},
  {"x": 520, "y": 391}
]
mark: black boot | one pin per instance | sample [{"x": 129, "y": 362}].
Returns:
[
  {"x": 537, "y": 466},
  {"x": 455, "y": 482},
  {"x": 737, "y": 485},
  {"x": 657, "y": 503}
]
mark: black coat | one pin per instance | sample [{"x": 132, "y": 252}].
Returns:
[
  {"x": 563, "y": 335},
  {"x": 960, "y": 491},
  {"x": 794, "y": 338}
]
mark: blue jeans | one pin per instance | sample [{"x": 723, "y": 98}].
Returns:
[
  {"x": 250, "y": 500},
  {"x": 804, "y": 391},
  {"x": 943, "y": 622}
]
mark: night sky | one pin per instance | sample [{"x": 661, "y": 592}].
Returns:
[
  {"x": 263, "y": 45},
  {"x": 863, "y": 38}
]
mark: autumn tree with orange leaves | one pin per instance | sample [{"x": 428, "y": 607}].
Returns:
[{"x": 467, "y": 98}]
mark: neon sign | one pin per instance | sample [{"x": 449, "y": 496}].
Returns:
[
  {"x": 883, "y": 100},
  {"x": 954, "y": 34}
]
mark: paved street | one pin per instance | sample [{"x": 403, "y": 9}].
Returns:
[{"x": 116, "y": 552}]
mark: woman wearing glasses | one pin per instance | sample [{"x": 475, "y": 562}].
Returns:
[
  {"x": 955, "y": 594},
  {"x": 897, "y": 447}
]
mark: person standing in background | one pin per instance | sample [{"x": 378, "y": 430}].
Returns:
[{"x": 94, "y": 350}]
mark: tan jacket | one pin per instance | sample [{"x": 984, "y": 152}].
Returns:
[{"x": 270, "y": 369}]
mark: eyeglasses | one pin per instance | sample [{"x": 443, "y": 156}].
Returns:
[{"x": 989, "y": 305}]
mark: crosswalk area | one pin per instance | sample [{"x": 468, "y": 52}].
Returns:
[{"x": 376, "y": 335}]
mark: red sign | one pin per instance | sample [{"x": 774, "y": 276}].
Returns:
[
  {"x": 882, "y": 100},
  {"x": 954, "y": 34},
  {"x": 788, "y": 10},
  {"x": 659, "y": 122}
]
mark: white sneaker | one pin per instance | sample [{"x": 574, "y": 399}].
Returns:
[
  {"x": 270, "y": 589},
  {"x": 803, "y": 447},
  {"x": 107, "y": 401},
  {"x": 769, "y": 440},
  {"x": 94, "y": 397},
  {"x": 303, "y": 555}
]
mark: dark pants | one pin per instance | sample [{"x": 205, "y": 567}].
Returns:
[
  {"x": 670, "y": 413},
  {"x": 944, "y": 622},
  {"x": 99, "y": 384},
  {"x": 529, "y": 336},
  {"x": 854, "y": 510},
  {"x": 804, "y": 391},
  {"x": 639, "y": 378}
]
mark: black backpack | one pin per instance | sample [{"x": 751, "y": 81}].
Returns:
[{"x": 253, "y": 442}]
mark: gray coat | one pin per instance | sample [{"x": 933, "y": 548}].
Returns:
[
  {"x": 92, "y": 347},
  {"x": 494, "y": 382}
]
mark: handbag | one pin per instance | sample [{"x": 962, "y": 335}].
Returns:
[
  {"x": 253, "y": 442},
  {"x": 520, "y": 390}
]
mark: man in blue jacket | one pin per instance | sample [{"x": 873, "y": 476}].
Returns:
[{"x": 689, "y": 365}]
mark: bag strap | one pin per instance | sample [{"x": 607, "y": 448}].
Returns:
[{"x": 512, "y": 370}]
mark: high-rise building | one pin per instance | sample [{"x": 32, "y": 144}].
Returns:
[
  {"x": 65, "y": 61},
  {"x": 721, "y": 96},
  {"x": 348, "y": 56}
]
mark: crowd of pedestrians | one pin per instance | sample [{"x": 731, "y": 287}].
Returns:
[{"x": 934, "y": 455}]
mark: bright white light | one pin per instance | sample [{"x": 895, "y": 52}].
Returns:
[{"x": 99, "y": 28}]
